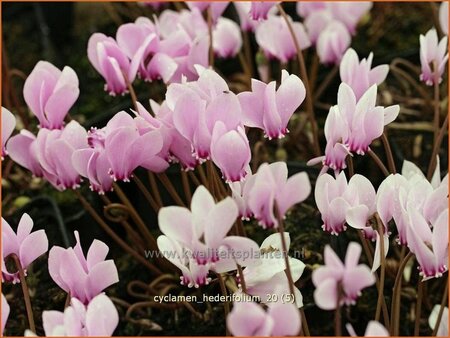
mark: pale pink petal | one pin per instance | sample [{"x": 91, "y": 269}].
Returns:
[
  {"x": 33, "y": 246},
  {"x": 326, "y": 294},
  {"x": 101, "y": 276},
  {"x": 175, "y": 222},
  {"x": 286, "y": 319},
  {"x": 102, "y": 317},
  {"x": 97, "y": 253}
]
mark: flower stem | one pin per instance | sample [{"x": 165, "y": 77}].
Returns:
[
  {"x": 114, "y": 236},
  {"x": 396, "y": 293},
  {"x": 154, "y": 186},
  {"x": 389, "y": 155},
  {"x": 337, "y": 312},
  {"x": 226, "y": 305},
  {"x": 436, "y": 103},
  {"x": 131, "y": 90},
  {"x": 382, "y": 268},
  {"x": 304, "y": 75},
  {"x": 186, "y": 186},
  {"x": 146, "y": 194},
  {"x": 436, "y": 147},
  {"x": 418, "y": 309},
  {"x": 170, "y": 189},
  {"x": 378, "y": 162},
  {"x": 26, "y": 293},
  {"x": 211, "y": 49}
]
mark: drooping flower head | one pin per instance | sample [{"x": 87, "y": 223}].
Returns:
[
  {"x": 23, "y": 243},
  {"x": 98, "y": 318},
  {"x": 433, "y": 57},
  {"x": 83, "y": 277},
  {"x": 50, "y": 93}
]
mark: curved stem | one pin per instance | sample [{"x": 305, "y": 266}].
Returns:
[
  {"x": 326, "y": 82},
  {"x": 170, "y": 189},
  {"x": 418, "y": 309},
  {"x": 114, "y": 236},
  {"x": 146, "y": 193},
  {"x": 389, "y": 155},
  {"x": 382, "y": 268},
  {"x": 304, "y": 75},
  {"x": 26, "y": 293},
  {"x": 378, "y": 162},
  {"x": 154, "y": 186},
  {"x": 396, "y": 293}
]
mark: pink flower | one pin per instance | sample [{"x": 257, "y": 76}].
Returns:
[
  {"x": 22, "y": 150},
  {"x": 270, "y": 109},
  {"x": 332, "y": 42},
  {"x": 5, "y": 314},
  {"x": 227, "y": 39},
  {"x": 373, "y": 329},
  {"x": 202, "y": 233},
  {"x": 443, "y": 17},
  {"x": 8, "y": 125},
  {"x": 54, "y": 149},
  {"x": 429, "y": 246},
  {"x": 272, "y": 189},
  {"x": 260, "y": 9},
  {"x": 197, "y": 106},
  {"x": 316, "y": 22},
  {"x": 433, "y": 57},
  {"x": 240, "y": 193},
  {"x": 275, "y": 39},
  {"x": 243, "y": 10},
  {"x": 349, "y": 277},
  {"x": 50, "y": 93},
  {"x": 83, "y": 277},
  {"x": 230, "y": 151},
  {"x": 306, "y": 8},
  {"x": 268, "y": 277},
  {"x": 217, "y": 8},
  {"x": 98, "y": 318},
  {"x": 112, "y": 63},
  {"x": 359, "y": 75},
  {"x": 249, "y": 319},
  {"x": 443, "y": 325},
  {"x": 26, "y": 245}
]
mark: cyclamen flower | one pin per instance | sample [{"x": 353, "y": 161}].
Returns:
[
  {"x": 268, "y": 276},
  {"x": 217, "y": 8},
  {"x": 197, "y": 106},
  {"x": 50, "y": 93},
  {"x": 339, "y": 283},
  {"x": 260, "y": 9},
  {"x": 83, "y": 277},
  {"x": 98, "y": 318},
  {"x": 230, "y": 151},
  {"x": 8, "y": 125},
  {"x": 270, "y": 109},
  {"x": 203, "y": 234},
  {"x": 443, "y": 325},
  {"x": 111, "y": 62},
  {"x": 332, "y": 42},
  {"x": 243, "y": 10},
  {"x": 275, "y": 39},
  {"x": 433, "y": 57},
  {"x": 240, "y": 193},
  {"x": 54, "y": 149},
  {"x": 22, "y": 149},
  {"x": 430, "y": 247},
  {"x": 443, "y": 17},
  {"x": 5, "y": 314},
  {"x": 272, "y": 190},
  {"x": 227, "y": 38},
  {"x": 373, "y": 329},
  {"x": 26, "y": 245},
  {"x": 359, "y": 75},
  {"x": 250, "y": 319}
]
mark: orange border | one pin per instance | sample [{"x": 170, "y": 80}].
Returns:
[{"x": 1, "y": 56}]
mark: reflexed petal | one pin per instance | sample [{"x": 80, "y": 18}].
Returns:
[
  {"x": 33, "y": 246},
  {"x": 326, "y": 294},
  {"x": 102, "y": 317}
]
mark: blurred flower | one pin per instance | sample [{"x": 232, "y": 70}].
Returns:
[
  {"x": 443, "y": 325},
  {"x": 250, "y": 319},
  {"x": 243, "y": 11},
  {"x": 260, "y": 9},
  {"x": 359, "y": 75},
  {"x": 83, "y": 277},
  {"x": 202, "y": 233},
  {"x": 275, "y": 39},
  {"x": 316, "y": 23},
  {"x": 268, "y": 277},
  {"x": 430, "y": 247},
  {"x": 332, "y": 42},
  {"x": 21, "y": 148},
  {"x": 443, "y": 17},
  {"x": 272, "y": 190},
  {"x": 270, "y": 109},
  {"x": 217, "y": 8},
  {"x": 26, "y": 245},
  {"x": 111, "y": 62},
  {"x": 8, "y": 125},
  {"x": 340, "y": 283},
  {"x": 5, "y": 314},
  {"x": 50, "y": 93},
  {"x": 98, "y": 318},
  {"x": 227, "y": 38},
  {"x": 230, "y": 151},
  {"x": 373, "y": 329},
  {"x": 240, "y": 193},
  {"x": 433, "y": 57}
]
